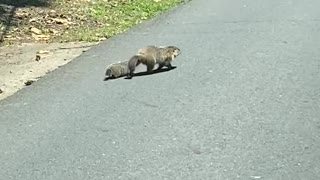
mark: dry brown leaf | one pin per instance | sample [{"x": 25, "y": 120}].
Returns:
[
  {"x": 38, "y": 57},
  {"x": 33, "y": 20},
  {"x": 43, "y": 52},
  {"x": 35, "y": 30},
  {"x": 41, "y": 37},
  {"x": 29, "y": 82},
  {"x": 49, "y": 21},
  {"x": 52, "y": 13},
  {"x": 60, "y": 21},
  {"x": 53, "y": 31},
  {"x": 102, "y": 39},
  {"x": 21, "y": 15}
]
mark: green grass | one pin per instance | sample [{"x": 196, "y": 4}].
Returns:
[{"x": 116, "y": 16}]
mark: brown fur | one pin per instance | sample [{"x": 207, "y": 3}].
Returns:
[
  {"x": 117, "y": 69},
  {"x": 152, "y": 55}
]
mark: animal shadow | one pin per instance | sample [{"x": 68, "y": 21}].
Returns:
[
  {"x": 154, "y": 72},
  {"x": 112, "y": 78}
]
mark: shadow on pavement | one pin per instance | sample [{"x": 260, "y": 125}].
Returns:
[{"x": 143, "y": 73}]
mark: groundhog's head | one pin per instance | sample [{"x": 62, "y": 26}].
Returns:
[
  {"x": 108, "y": 72},
  {"x": 173, "y": 51}
]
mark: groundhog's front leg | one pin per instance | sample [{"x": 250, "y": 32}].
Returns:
[
  {"x": 169, "y": 65},
  {"x": 160, "y": 66}
]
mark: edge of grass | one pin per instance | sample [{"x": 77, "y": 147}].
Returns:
[{"x": 117, "y": 16}]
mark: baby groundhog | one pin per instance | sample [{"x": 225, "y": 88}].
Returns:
[
  {"x": 117, "y": 69},
  {"x": 152, "y": 55}
]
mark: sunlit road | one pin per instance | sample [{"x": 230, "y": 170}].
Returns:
[{"x": 243, "y": 102}]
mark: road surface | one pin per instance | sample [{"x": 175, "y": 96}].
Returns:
[{"x": 243, "y": 102}]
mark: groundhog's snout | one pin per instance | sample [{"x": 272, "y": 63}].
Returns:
[{"x": 177, "y": 53}]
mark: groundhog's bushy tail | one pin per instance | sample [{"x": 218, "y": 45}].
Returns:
[{"x": 133, "y": 62}]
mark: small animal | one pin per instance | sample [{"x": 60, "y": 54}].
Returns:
[
  {"x": 152, "y": 55},
  {"x": 117, "y": 69}
]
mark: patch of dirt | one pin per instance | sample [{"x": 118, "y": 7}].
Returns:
[
  {"x": 44, "y": 23},
  {"x": 32, "y": 39},
  {"x": 21, "y": 65}
]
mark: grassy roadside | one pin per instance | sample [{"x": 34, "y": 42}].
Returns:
[
  {"x": 116, "y": 17},
  {"x": 81, "y": 20}
]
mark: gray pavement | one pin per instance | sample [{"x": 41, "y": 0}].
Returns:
[{"x": 243, "y": 102}]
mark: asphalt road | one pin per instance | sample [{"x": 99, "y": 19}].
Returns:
[{"x": 243, "y": 102}]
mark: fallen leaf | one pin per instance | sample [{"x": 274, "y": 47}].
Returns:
[
  {"x": 43, "y": 52},
  {"x": 38, "y": 57},
  {"x": 60, "y": 21},
  {"x": 53, "y": 31},
  {"x": 21, "y": 15},
  {"x": 41, "y": 37},
  {"x": 29, "y": 82},
  {"x": 52, "y": 13},
  {"x": 33, "y": 20},
  {"x": 102, "y": 39},
  {"x": 35, "y": 30}
]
